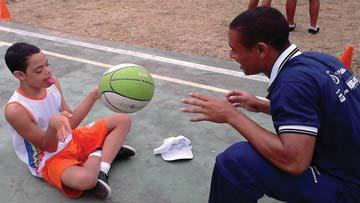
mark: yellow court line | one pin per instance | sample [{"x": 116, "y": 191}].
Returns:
[
  {"x": 4, "y": 43},
  {"x": 160, "y": 77}
]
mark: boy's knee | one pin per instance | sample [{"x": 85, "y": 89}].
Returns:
[
  {"x": 118, "y": 120},
  {"x": 85, "y": 180},
  {"x": 124, "y": 120}
]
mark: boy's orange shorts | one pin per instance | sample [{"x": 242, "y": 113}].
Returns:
[{"x": 85, "y": 140}]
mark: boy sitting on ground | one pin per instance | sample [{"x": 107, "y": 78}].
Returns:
[{"x": 45, "y": 131}]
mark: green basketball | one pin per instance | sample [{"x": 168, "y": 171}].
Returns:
[{"x": 126, "y": 88}]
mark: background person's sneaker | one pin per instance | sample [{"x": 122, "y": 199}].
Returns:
[
  {"x": 313, "y": 30},
  {"x": 102, "y": 189},
  {"x": 292, "y": 27},
  {"x": 125, "y": 152}
]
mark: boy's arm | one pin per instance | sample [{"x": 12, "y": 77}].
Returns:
[
  {"x": 24, "y": 124},
  {"x": 79, "y": 113}
]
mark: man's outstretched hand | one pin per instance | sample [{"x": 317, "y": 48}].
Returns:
[{"x": 212, "y": 109}]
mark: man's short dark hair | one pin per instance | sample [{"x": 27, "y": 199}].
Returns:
[
  {"x": 262, "y": 24},
  {"x": 17, "y": 56}
]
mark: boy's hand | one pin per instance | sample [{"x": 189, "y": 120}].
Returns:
[{"x": 61, "y": 124}]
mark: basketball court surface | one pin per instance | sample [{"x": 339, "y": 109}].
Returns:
[{"x": 79, "y": 63}]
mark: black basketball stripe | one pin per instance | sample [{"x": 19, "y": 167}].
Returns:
[
  {"x": 108, "y": 73},
  {"x": 112, "y": 74},
  {"x": 131, "y": 79},
  {"x": 124, "y": 96},
  {"x": 110, "y": 103}
]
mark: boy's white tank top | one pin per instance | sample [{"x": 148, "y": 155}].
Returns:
[{"x": 40, "y": 110}]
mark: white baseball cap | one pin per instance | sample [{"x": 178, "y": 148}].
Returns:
[{"x": 175, "y": 148}]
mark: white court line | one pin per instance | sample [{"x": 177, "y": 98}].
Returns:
[
  {"x": 169, "y": 79},
  {"x": 198, "y": 66}
]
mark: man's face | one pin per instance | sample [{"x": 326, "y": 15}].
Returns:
[
  {"x": 38, "y": 71},
  {"x": 247, "y": 58}
]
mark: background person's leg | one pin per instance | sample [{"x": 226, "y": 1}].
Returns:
[
  {"x": 253, "y": 3},
  {"x": 241, "y": 174},
  {"x": 290, "y": 13},
  {"x": 314, "y": 7},
  {"x": 266, "y": 3}
]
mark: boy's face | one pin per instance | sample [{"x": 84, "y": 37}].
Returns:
[{"x": 37, "y": 72}]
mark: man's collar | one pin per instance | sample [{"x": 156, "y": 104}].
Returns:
[{"x": 289, "y": 53}]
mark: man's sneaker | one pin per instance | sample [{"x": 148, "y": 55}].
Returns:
[
  {"x": 125, "y": 152},
  {"x": 102, "y": 189}
]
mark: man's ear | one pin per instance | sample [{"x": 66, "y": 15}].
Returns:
[
  {"x": 19, "y": 75},
  {"x": 262, "y": 49}
]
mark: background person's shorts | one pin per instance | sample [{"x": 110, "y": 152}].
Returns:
[{"x": 85, "y": 140}]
